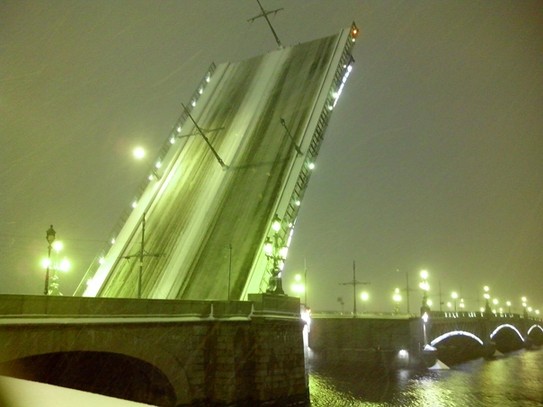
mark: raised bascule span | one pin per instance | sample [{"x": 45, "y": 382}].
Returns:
[{"x": 239, "y": 157}]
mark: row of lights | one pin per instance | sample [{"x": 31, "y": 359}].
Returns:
[
  {"x": 139, "y": 152},
  {"x": 299, "y": 288},
  {"x": 275, "y": 249}
]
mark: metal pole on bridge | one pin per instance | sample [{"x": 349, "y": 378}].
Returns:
[{"x": 354, "y": 283}]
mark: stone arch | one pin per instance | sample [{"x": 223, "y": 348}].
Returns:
[
  {"x": 507, "y": 338},
  {"x": 447, "y": 335},
  {"x": 458, "y": 346},
  {"x": 107, "y": 373},
  {"x": 535, "y": 334},
  {"x": 25, "y": 342}
]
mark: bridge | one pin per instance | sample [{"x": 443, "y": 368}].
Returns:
[
  {"x": 185, "y": 303},
  {"x": 401, "y": 340},
  {"x": 160, "y": 352}
]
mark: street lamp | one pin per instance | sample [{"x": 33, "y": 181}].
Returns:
[
  {"x": 138, "y": 152},
  {"x": 50, "y": 237},
  {"x": 276, "y": 252},
  {"x": 56, "y": 266},
  {"x": 425, "y": 287},
  {"x": 364, "y": 296},
  {"x": 508, "y": 303},
  {"x": 486, "y": 296},
  {"x": 397, "y": 298},
  {"x": 495, "y": 302},
  {"x": 454, "y": 296},
  {"x": 298, "y": 287},
  {"x": 525, "y": 306}
]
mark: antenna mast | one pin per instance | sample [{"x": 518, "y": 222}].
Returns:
[
  {"x": 265, "y": 15},
  {"x": 355, "y": 283}
]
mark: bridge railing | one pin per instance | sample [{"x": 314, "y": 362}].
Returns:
[
  {"x": 47, "y": 308},
  {"x": 33, "y": 306},
  {"x": 478, "y": 314}
]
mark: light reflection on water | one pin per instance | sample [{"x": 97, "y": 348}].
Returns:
[{"x": 513, "y": 380}]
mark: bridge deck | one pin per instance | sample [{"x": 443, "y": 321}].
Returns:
[{"x": 207, "y": 211}]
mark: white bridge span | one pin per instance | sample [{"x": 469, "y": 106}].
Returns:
[{"x": 240, "y": 155}]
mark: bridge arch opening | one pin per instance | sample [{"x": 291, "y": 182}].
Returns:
[
  {"x": 447, "y": 335},
  {"x": 535, "y": 334},
  {"x": 109, "y": 374},
  {"x": 457, "y": 347},
  {"x": 507, "y": 338}
]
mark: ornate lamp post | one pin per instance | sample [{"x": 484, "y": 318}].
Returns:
[
  {"x": 397, "y": 298},
  {"x": 276, "y": 252},
  {"x": 298, "y": 287},
  {"x": 454, "y": 296},
  {"x": 508, "y": 303},
  {"x": 525, "y": 306},
  {"x": 55, "y": 267},
  {"x": 425, "y": 287},
  {"x": 486, "y": 295},
  {"x": 50, "y": 236},
  {"x": 495, "y": 302},
  {"x": 364, "y": 296}
]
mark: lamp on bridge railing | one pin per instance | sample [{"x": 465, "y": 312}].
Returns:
[
  {"x": 397, "y": 298},
  {"x": 508, "y": 303},
  {"x": 454, "y": 296},
  {"x": 276, "y": 252},
  {"x": 425, "y": 287},
  {"x": 462, "y": 305},
  {"x": 486, "y": 295},
  {"x": 298, "y": 287},
  {"x": 364, "y": 296},
  {"x": 54, "y": 265},
  {"x": 50, "y": 237},
  {"x": 524, "y": 306}
]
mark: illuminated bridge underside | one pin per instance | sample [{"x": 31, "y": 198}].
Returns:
[{"x": 198, "y": 212}]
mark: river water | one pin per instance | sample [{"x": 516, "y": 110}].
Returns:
[{"x": 511, "y": 380}]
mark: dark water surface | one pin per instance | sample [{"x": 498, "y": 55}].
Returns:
[{"x": 511, "y": 380}]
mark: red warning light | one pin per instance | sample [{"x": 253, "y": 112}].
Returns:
[{"x": 354, "y": 31}]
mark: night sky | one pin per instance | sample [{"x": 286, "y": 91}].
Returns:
[{"x": 433, "y": 158}]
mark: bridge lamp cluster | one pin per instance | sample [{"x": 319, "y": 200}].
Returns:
[
  {"x": 524, "y": 302},
  {"x": 425, "y": 287},
  {"x": 397, "y": 298},
  {"x": 495, "y": 303},
  {"x": 53, "y": 265},
  {"x": 276, "y": 253},
  {"x": 298, "y": 287},
  {"x": 486, "y": 296},
  {"x": 454, "y": 296},
  {"x": 508, "y": 303},
  {"x": 364, "y": 296}
]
